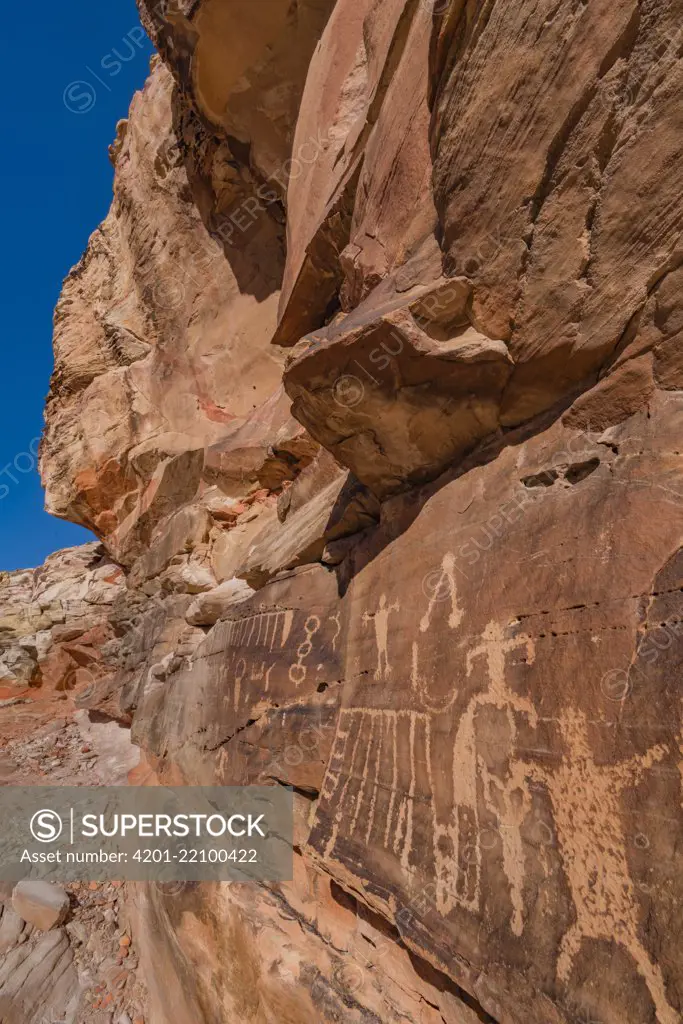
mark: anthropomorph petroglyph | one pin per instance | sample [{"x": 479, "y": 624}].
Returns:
[
  {"x": 586, "y": 801},
  {"x": 442, "y": 587},
  {"x": 380, "y": 618},
  {"x": 458, "y": 843},
  {"x": 384, "y": 759}
]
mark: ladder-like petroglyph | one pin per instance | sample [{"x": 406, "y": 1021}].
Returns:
[
  {"x": 378, "y": 761},
  {"x": 265, "y": 629},
  {"x": 586, "y": 803},
  {"x": 247, "y": 641},
  {"x": 271, "y": 649}
]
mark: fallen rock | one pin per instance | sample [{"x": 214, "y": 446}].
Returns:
[
  {"x": 41, "y": 904},
  {"x": 21, "y": 666}
]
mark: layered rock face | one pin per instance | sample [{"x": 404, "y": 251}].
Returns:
[
  {"x": 57, "y": 633},
  {"x": 61, "y": 627},
  {"x": 371, "y": 385}
]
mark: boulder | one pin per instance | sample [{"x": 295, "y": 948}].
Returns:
[
  {"x": 41, "y": 904},
  {"x": 208, "y": 608}
]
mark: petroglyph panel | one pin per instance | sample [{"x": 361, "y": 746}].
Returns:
[
  {"x": 274, "y": 653},
  {"x": 263, "y": 630},
  {"x": 380, "y": 782},
  {"x": 499, "y": 757},
  {"x": 263, "y": 657},
  {"x": 490, "y": 783},
  {"x": 380, "y": 760}
]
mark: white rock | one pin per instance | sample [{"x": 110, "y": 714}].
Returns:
[{"x": 192, "y": 577}]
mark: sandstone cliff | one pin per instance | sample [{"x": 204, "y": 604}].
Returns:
[{"x": 370, "y": 384}]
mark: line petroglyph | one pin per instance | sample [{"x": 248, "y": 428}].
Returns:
[{"x": 267, "y": 629}]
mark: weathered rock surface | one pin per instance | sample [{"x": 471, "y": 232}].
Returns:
[
  {"x": 57, "y": 636},
  {"x": 75, "y": 974},
  {"x": 143, "y": 380},
  {"x": 41, "y": 904},
  {"x": 89, "y": 969},
  {"x": 440, "y": 595},
  {"x": 38, "y": 981}
]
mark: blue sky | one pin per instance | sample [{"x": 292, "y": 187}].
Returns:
[{"x": 69, "y": 72}]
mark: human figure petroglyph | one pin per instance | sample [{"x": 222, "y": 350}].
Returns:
[
  {"x": 586, "y": 798},
  {"x": 442, "y": 585},
  {"x": 505, "y": 797},
  {"x": 494, "y": 646},
  {"x": 380, "y": 618},
  {"x": 510, "y": 800}
]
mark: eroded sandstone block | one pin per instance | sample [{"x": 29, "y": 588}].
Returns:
[
  {"x": 41, "y": 904},
  {"x": 398, "y": 395}
]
